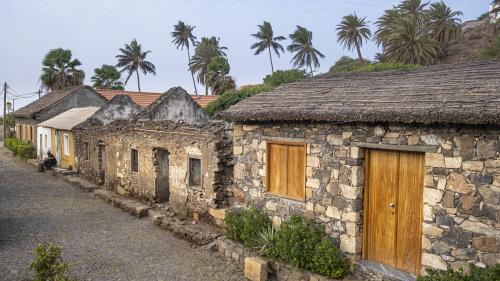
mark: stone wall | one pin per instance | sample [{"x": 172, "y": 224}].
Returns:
[
  {"x": 461, "y": 194},
  {"x": 182, "y": 142}
]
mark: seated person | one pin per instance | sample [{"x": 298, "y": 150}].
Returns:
[{"x": 50, "y": 161}]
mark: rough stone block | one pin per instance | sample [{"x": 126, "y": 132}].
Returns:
[
  {"x": 335, "y": 139},
  {"x": 453, "y": 162},
  {"x": 356, "y": 152},
  {"x": 457, "y": 183},
  {"x": 333, "y": 212},
  {"x": 312, "y": 161},
  {"x": 217, "y": 213},
  {"x": 474, "y": 166},
  {"x": 312, "y": 183},
  {"x": 432, "y": 196},
  {"x": 255, "y": 269},
  {"x": 350, "y": 192},
  {"x": 349, "y": 244},
  {"x": 433, "y": 261},
  {"x": 434, "y": 160},
  {"x": 487, "y": 148},
  {"x": 357, "y": 176},
  {"x": 271, "y": 206}
]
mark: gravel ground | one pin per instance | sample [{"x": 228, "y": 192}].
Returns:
[{"x": 99, "y": 241}]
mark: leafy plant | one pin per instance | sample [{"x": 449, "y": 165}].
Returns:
[
  {"x": 268, "y": 41},
  {"x": 60, "y": 70},
  {"x": 25, "y": 151},
  {"x": 48, "y": 264},
  {"x": 265, "y": 240},
  {"x": 374, "y": 67},
  {"x": 476, "y": 274},
  {"x": 183, "y": 37},
  {"x": 11, "y": 144},
  {"x": 205, "y": 51},
  {"x": 352, "y": 32},
  {"x": 218, "y": 78},
  {"x": 132, "y": 59},
  {"x": 107, "y": 77},
  {"x": 305, "y": 55},
  {"x": 232, "y": 97},
  {"x": 328, "y": 260},
  {"x": 281, "y": 77},
  {"x": 296, "y": 241},
  {"x": 244, "y": 225}
]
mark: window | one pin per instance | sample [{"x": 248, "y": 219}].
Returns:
[
  {"x": 41, "y": 143},
  {"x": 194, "y": 171},
  {"x": 286, "y": 165},
  {"x": 86, "y": 152},
  {"x": 134, "y": 160},
  {"x": 66, "y": 144}
]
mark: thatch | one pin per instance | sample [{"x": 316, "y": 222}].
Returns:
[
  {"x": 455, "y": 93},
  {"x": 47, "y": 101}
]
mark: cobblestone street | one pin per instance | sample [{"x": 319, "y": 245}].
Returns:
[{"x": 100, "y": 242}]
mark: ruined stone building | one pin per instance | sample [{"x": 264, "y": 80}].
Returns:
[
  {"x": 169, "y": 152},
  {"x": 401, "y": 167},
  {"x": 50, "y": 105}
]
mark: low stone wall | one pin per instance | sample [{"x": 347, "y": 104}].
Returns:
[
  {"x": 282, "y": 272},
  {"x": 461, "y": 211}
]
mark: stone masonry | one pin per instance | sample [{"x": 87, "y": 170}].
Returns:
[
  {"x": 207, "y": 143},
  {"x": 461, "y": 209}
]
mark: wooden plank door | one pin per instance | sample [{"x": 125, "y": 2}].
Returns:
[
  {"x": 393, "y": 208},
  {"x": 278, "y": 172}
]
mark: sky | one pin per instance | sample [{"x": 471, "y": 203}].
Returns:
[{"x": 94, "y": 30}]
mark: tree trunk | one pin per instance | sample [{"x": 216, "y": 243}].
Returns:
[
  {"x": 206, "y": 85},
  {"x": 358, "y": 49},
  {"x": 271, "y": 59},
  {"x": 192, "y": 74},
  {"x": 138, "y": 82},
  {"x": 311, "y": 68}
]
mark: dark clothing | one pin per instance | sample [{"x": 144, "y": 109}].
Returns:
[{"x": 50, "y": 161}]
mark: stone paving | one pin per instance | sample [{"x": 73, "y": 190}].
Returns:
[{"x": 99, "y": 241}]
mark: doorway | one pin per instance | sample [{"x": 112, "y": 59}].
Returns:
[
  {"x": 161, "y": 182},
  {"x": 58, "y": 147},
  {"x": 101, "y": 158},
  {"x": 392, "y": 230}
]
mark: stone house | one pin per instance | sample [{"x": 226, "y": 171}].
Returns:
[
  {"x": 402, "y": 168},
  {"x": 57, "y": 137},
  {"x": 50, "y": 105},
  {"x": 170, "y": 152}
]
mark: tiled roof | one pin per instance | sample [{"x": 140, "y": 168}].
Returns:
[
  {"x": 144, "y": 99},
  {"x": 467, "y": 93}
]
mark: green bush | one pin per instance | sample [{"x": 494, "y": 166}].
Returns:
[
  {"x": 243, "y": 225},
  {"x": 231, "y": 97},
  {"x": 328, "y": 260},
  {"x": 296, "y": 241},
  {"x": 492, "y": 51},
  {"x": 49, "y": 265},
  {"x": 374, "y": 67},
  {"x": 11, "y": 144},
  {"x": 26, "y": 151},
  {"x": 476, "y": 274},
  {"x": 281, "y": 77},
  {"x": 346, "y": 64}
]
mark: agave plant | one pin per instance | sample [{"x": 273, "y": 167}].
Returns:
[{"x": 265, "y": 240}]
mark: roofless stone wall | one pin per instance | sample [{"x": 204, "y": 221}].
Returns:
[
  {"x": 461, "y": 209},
  {"x": 208, "y": 144}
]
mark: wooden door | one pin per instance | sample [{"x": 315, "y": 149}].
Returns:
[
  {"x": 393, "y": 208},
  {"x": 162, "y": 186}
]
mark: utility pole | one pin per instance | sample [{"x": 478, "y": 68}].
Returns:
[
  {"x": 39, "y": 93},
  {"x": 4, "y": 110}
]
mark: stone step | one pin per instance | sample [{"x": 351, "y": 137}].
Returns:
[
  {"x": 156, "y": 215},
  {"x": 128, "y": 205},
  {"x": 81, "y": 183},
  {"x": 370, "y": 270},
  {"x": 197, "y": 232}
]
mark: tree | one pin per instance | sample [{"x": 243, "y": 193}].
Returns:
[
  {"x": 411, "y": 44},
  {"x": 183, "y": 37},
  {"x": 206, "y": 50},
  {"x": 267, "y": 41},
  {"x": 492, "y": 51},
  {"x": 218, "y": 78},
  {"x": 132, "y": 59},
  {"x": 281, "y": 77},
  {"x": 305, "y": 54},
  {"x": 59, "y": 70},
  {"x": 444, "y": 25},
  {"x": 496, "y": 6},
  {"x": 352, "y": 31},
  {"x": 107, "y": 77},
  {"x": 413, "y": 8}
]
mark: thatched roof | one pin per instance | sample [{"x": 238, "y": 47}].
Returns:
[
  {"x": 455, "y": 93},
  {"x": 47, "y": 101}
]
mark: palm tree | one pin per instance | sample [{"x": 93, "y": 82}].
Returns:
[
  {"x": 183, "y": 37},
  {"x": 218, "y": 78},
  {"x": 444, "y": 25},
  {"x": 267, "y": 41},
  {"x": 206, "y": 50},
  {"x": 410, "y": 44},
  {"x": 59, "y": 70},
  {"x": 496, "y": 6},
  {"x": 352, "y": 31},
  {"x": 306, "y": 54},
  {"x": 414, "y": 8},
  {"x": 132, "y": 59},
  {"x": 386, "y": 26},
  {"x": 107, "y": 77}
]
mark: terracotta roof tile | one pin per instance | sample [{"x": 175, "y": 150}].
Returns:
[{"x": 144, "y": 99}]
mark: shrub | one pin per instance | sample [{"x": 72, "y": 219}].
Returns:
[
  {"x": 328, "y": 260},
  {"x": 26, "y": 151},
  {"x": 281, "y": 77},
  {"x": 265, "y": 241},
  {"x": 48, "y": 264},
  {"x": 346, "y": 64},
  {"x": 244, "y": 225},
  {"x": 231, "y": 97},
  {"x": 492, "y": 51},
  {"x": 374, "y": 67},
  {"x": 476, "y": 274},
  {"x": 296, "y": 241},
  {"x": 11, "y": 144}
]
